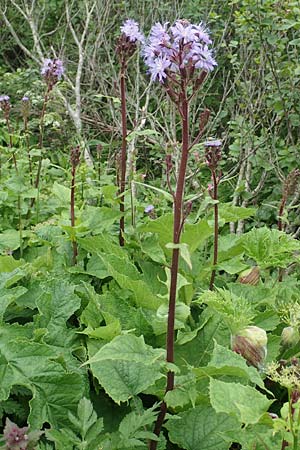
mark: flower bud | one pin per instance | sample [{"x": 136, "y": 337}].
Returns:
[
  {"x": 250, "y": 276},
  {"x": 290, "y": 336},
  {"x": 251, "y": 343}
]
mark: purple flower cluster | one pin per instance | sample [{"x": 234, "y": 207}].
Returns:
[
  {"x": 4, "y": 98},
  {"x": 131, "y": 30},
  {"x": 5, "y": 104},
  {"x": 52, "y": 70},
  {"x": 175, "y": 49}
]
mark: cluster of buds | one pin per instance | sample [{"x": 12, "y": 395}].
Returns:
[
  {"x": 5, "y": 104},
  {"x": 52, "y": 71},
  {"x": 291, "y": 183},
  {"x": 75, "y": 156},
  {"x": 127, "y": 42},
  {"x": 18, "y": 438},
  {"x": 213, "y": 153},
  {"x": 251, "y": 343},
  {"x": 150, "y": 211},
  {"x": 25, "y": 106}
]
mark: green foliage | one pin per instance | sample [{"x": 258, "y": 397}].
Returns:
[{"x": 85, "y": 430}]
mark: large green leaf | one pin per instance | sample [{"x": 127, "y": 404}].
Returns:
[
  {"x": 244, "y": 402},
  {"x": 197, "y": 352},
  {"x": 199, "y": 429},
  {"x": 126, "y": 366},
  {"x": 122, "y": 270},
  {"x": 56, "y": 305},
  {"x": 128, "y": 348},
  {"x": 230, "y": 213},
  {"x": 31, "y": 364}
]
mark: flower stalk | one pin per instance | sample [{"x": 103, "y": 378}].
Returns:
[
  {"x": 213, "y": 157},
  {"x": 126, "y": 47},
  {"x": 75, "y": 160},
  {"x": 52, "y": 72}
]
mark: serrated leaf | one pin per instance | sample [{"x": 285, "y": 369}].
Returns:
[
  {"x": 119, "y": 266},
  {"x": 123, "y": 380},
  {"x": 244, "y": 402},
  {"x": 126, "y": 366},
  {"x": 200, "y": 428}
]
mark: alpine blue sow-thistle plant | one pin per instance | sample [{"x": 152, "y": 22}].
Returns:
[
  {"x": 126, "y": 46},
  {"x": 52, "y": 71},
  {"x": 179, "y": 57}
]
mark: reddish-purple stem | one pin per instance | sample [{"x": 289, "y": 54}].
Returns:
[
  {"x": 178, "y": 217},
  {"x": 10, "y": 140},
  {"x": 123, "y": 153},
  {"x": 280, "y": 228},
  {"x": 216, "y": 230},
  {"x": 72, "y": 204},
  {"x": 280, "y": 214},
  {"x": 41, "y": 138}
]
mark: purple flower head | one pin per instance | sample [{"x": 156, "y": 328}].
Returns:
[
  {"x": 4, "y": 98},
  {"x": 180, "y": 48},
  {"x": 203, "y": 58},
  {"x": 149, "y": 209},
  {"x": 183, "y": 31},
  {"x": 5, "y": 104},
  {"x": 158, "y": 67},
  {"x": 213, "y": 143},
  {"x": 131, "y": 30},
  {"x": 52, "y": 70},
  {"x": 25, "y": 99}
]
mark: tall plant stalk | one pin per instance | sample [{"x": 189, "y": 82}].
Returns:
[
  {"x": 52, "y": 72},
  {"x": 173, "y": 56},
  {"x": 123, "y": 158},
  {"x": 213, "y": 156},
  {"x": 25, "y": 114},
  {"x": 290, "y": 186},
  {"x": 126, "y": 47},
  {"x": 216, "y": 231}
]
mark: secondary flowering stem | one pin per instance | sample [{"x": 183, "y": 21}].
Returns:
[{"x": 123, "y": 152}]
